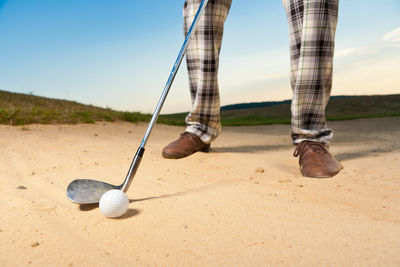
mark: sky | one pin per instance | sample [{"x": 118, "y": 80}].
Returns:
[{"x": 119, "y": 53}]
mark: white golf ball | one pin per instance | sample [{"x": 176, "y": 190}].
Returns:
[{"x": 114, "y": 203}]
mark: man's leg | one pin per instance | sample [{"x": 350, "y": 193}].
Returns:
[
  {"x": 202, "y": 58},
  {"x": 312, "y": 27}
]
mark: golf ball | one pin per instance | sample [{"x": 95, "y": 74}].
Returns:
[{"x": 113, "y": 203}]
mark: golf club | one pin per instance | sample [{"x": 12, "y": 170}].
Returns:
[{"x": 86, "y": 191}]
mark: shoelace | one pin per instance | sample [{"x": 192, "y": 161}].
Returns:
[{"x": 305, "y": 145}]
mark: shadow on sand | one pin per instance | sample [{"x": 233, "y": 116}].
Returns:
[
  {"x": 128, "y": 214},
  {"x": 134, "y": 212},
  {"x": 249, "y": 149},
  {"x": 362, "y": 153},
  {"x": 189, "y": 191}
]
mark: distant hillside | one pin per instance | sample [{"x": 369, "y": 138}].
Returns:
[
  {"x": 254, "y": 105},
  {"x": 339, "y": 108},
  {"x": 263, "y": 104},
  {"x": 20, "y": 109}
]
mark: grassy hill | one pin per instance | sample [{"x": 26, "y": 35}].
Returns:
[
  {"x": 339, "y": 108},
  {"x": 20, "y": 109}
]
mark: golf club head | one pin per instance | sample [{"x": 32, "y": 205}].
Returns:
[{"x": 85, "y": 191}]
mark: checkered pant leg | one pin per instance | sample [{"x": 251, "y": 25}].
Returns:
[
  {"x": 312, "y": 26},
  {"x": 202, "y": 58}
]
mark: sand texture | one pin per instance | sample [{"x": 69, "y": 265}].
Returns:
[{"x": 242, "y": 204}]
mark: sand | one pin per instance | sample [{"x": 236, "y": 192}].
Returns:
[{"x": 242, "y": 204}]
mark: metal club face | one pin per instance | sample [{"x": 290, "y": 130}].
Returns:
[{"x": 85, "y": 191}]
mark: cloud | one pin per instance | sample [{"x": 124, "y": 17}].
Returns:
[
  {"x": 393, "y": 36},
  {"x": 351, "y": 51},
  {"x": 370, "y": 69},
  {"x": 369, "y": 75},
  {"x": 388, "y": 40}
]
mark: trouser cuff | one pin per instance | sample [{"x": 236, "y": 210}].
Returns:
[{"x": 321, "y": 136}]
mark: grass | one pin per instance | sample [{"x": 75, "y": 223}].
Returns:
[
  {"x": 22, "y": 109},
  {"x": 339, "y": 108}
]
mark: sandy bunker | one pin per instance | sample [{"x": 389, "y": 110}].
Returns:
[{"x": 244, "y": 203}]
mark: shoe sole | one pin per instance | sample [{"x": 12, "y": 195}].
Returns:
[
  {"x": 171, "y": 156},
  {"x": 322, "y": 176}
]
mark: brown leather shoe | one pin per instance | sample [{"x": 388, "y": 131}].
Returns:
[
  {"x": 184, "y": 146},
  {"x": 316, "y": 161}
]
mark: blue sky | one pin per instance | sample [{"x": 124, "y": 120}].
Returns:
[{"x": 119, "y": 53}]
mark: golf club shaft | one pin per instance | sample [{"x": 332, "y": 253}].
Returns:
[
  {"x": 174, "y": 71},
  {"x": 139, "y": 154},
  {"x": 132, "y": 169}
]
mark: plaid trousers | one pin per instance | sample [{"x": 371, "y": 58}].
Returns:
[{"x": 312, "y": 27}]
